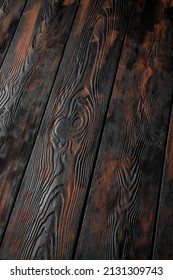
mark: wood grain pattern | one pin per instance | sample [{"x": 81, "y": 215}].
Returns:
[
  {"x": 47, "y": 212},
  {"x": 121, "y": 209},
  {"x": 26, "y": 80},
  {"x": 163, "y": 246},
  {"x": 10, "y": 14}
]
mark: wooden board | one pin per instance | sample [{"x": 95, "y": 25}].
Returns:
[
  {"x": 120, "y": 216},
  {"x": 26, "y": 79},
  {"x": 163, "y": 246},
  {"x": 44, "y": 222},
  {"x": 10, "y": 13}
]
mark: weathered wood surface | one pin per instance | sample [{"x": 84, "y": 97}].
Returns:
[
  {"x": 10, "y": 13},
  {"x": 163, "y": 246},
  {"x": 121, "y": 210},
  {"x": 26, "y": 80},
  {"x": 44, "y": 222}
]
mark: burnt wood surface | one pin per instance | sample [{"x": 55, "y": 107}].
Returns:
[
  {"x": 45, "y": 219},
  {"x": 86, "y": 131},
  {"x": 10, "y": 14},
  {"x": 119, "y": 222},
  {"x": 26, "y": 78}
]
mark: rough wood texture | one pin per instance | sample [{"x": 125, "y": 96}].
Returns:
[
  {"x": 86, "y": 167},
  {"x": 10, "y": 13},
  {"x": 121, "y": 209},
  {"x": 26, "y": 79},
  {"x": 163, "y": 247},
  {"x": 48, "y": 209}
]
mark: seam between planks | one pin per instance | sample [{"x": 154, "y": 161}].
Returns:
[
  {"x": 100, "y": 140},
  {"x": 156, "y": 220},
  {"x": 34, "y": 142},
  {"x": 13, "y": 34}
]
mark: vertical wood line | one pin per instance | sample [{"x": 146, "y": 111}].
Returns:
[
  {"x": 156, "y": 220},
  {"x": 14, "y": 33},
  {"x": 41, "y": 120},
  {"x": 99, "y": 141}
]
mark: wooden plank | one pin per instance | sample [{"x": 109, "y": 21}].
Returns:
[
  {"x": 10, "y": 14},
  {"x": 163, "y": 246},
  {"x": 26, "y": 79},
  {"x": 47, "y": 212},
  {"x": 120, "y": 215}
]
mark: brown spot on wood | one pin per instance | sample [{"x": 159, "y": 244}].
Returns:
[
  {"x": 111, "y": 38},
  {"x": 30, "y": 87},
  {"x": 100, "y": 198},
  {"x": 147, "y": 222},
  {"x": 140, "y": 66},
  {"x": 94, "y": 39},
  {"x": 68, "y": 2},
  {"x": 159, "y": 29},
  {"x": 107, "y": 176},
  {"x": 83, "y": 12},
  {"x": 75, "y": 147},
  {"x": 85, "y": 92},
  {"x": 110, "y": 41},
  {"x": 66, "y": 230},
  {"x": 129, "y": 113},
  {"x": 24, "y": 44},
  {"x": 99, "y": 216}
]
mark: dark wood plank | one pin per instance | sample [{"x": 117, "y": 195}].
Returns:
[
  {"x": 121, "y": 209},
  {"x": 46, "y": 216},
  {"x": 163, "y": 246},
  {"x": 10, "y": 14},
  {"x": 26, "y": 79}
]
